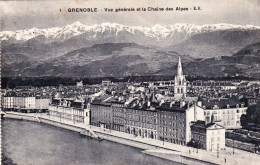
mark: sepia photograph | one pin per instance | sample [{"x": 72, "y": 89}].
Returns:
[{"x": 130, "y": 82}]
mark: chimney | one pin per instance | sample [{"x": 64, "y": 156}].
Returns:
[
  {"x": 195, "y": 112},
  {"x": 207, "y": 120},
  {"x": 82, "y": 105},
  {"x": 182, "y": 103},
  {"x": 162, "y": 101},
  {"x": 212, "y": 118},
  {"x": 172, "y": 103},
  {"x": 148, "y": 103},
  {"x": 199, "y": 103}
]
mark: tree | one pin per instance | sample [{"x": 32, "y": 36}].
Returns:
[
  {"x": 6, "y": 160},
  {"x": 252, "y": 117}
]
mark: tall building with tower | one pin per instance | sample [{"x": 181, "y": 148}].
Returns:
[{"x": 180, "y": 83}]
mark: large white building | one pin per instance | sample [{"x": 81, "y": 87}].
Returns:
[
  {"x": 228, "y": 117},
  {"x": 226, "y": 112},
  {"x": 24, "y": 103},
  {"x": 209, "y": 136},
  {"x": 70, "y": 110},
  {"x": 8, "y": 103},
  {"x": 42, "y": 103}
]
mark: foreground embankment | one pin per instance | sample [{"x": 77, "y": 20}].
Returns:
[{"x": 176, "y": 153}]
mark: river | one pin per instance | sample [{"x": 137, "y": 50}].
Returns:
[{"x": 31, "y": 143}]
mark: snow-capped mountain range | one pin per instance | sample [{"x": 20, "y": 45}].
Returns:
[
  {"x": 111, "y": 49},
  {"x": 157, "y": 32}
]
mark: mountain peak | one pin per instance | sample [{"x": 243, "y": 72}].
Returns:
[{"x": 77, "y": 23}]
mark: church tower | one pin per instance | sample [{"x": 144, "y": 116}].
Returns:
[{"x": 180, "y": 84}]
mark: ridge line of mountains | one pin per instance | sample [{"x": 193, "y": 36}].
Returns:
[{"x": 114, "y": 50}]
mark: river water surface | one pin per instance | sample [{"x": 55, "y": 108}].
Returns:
[{"x": 31, "y": 143}]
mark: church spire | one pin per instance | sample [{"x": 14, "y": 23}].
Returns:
[
  {"x": 180, "y": 88},
  {"x": 179, "y": 69}
]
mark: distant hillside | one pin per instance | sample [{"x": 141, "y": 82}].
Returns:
[
  {"x": 130, "y": 59},
  {"x": 215, "y": 44},
  {"x": 101, "y": 60},
  {"x": 245, "y": 62}
]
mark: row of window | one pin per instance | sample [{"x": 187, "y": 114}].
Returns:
[
  {"x": 170, "y": 129},
  {"x": 172, "y": 123},
  {"x": 224, "y": 111},
  {"x": 213, "y": 138},
  {"x": 198, "y": 137},
  {"x": 172, "y": 135},
  {"x": 175, "y": 116},
  {"x": 151, "y": 120},
  {"x": 180, "y": 90},
  {"x": 118, "y": 121},
  {"x": 140, "y": 112},
  {"x": 143, "y": 125}
]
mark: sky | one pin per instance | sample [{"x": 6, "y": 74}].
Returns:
[{"x": 19, "y": 15}]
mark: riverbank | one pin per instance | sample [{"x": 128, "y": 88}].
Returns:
[{"x": 169, "y": 151}]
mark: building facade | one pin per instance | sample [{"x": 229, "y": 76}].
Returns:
[
  {"x": 172, "y": 126},
  {"x": 208, "y": 136},
  {"x": 175, "y": 121},
  {"x": 24, "y": 103},
  {"x": 141, "y": 123},
  {"x": 228, "y": 117},
  {"x": 42, "y": 104},
  {"x": 101, "y": 115},
  {"x": 8, "y": 103},
  {"x": 69, "y": 110},
  {"x": 118, "y": 116}
]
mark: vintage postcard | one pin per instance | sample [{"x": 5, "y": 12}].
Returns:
[{"x": 130, "y": 82}]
